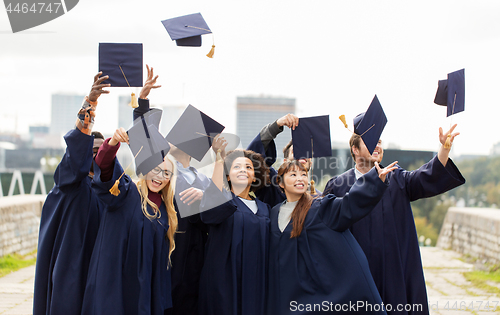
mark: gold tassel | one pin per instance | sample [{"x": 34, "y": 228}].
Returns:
[
  {"x": 133, "y": 102},
  {"x": 211, "y": 52},
  {"x": 313, "y": 189},
  {"x": 342, "y": 119},
  {"x": 447, "y": 144},
  {"x": 114, "y": 190}
]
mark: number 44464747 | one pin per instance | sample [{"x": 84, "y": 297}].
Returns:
[{"x": 33, "y": 8}]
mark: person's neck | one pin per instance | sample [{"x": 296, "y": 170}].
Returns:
[
  {"x": 242, "y": 193},
  {"x": 292, "y": 197},
  {"x": 182, "y": 158},
  {"x": 364, "y": 167}
]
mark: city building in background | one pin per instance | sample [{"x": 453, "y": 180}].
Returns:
[
  {"x": 63, "y": 112},
  {"x": 254, "y": 112}
]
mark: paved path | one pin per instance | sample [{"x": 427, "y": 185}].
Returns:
[
  {"x": 448, "y": 289},
  {"x": 443, "y": 273},
  {"x": 16, "y": 292}
]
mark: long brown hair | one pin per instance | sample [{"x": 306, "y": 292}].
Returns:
[
  {"x": 167, "y": 195},
  {"x": 300, "y": 212}
]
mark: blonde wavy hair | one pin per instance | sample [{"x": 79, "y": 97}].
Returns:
[{"x": 167, "y": 195}]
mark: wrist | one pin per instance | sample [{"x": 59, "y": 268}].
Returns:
[{"x": 92, "y": 103}]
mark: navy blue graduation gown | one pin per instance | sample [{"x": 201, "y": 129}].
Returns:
[
  {"x": 68, "y": 228},
  {"x": 233, "y": 279},
  {"x": 128, "y": 272},
  {"x": 187, "y": 258},
  {"x": 388, "y": 236},
  {"x": 324, "y": 265}
]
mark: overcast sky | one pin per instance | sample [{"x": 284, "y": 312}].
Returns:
[{"x": 332, "y": 56}]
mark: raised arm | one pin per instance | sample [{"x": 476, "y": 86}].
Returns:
[
  {"x": 264, "y": 144},
  {"x": 444, "y": 152},
  {"x": 143, "y": 96},
  {"x": 340, "y": 213},
  {"x": 76, "y": 162}
]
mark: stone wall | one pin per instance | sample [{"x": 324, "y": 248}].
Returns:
[
  {"x": 472, "y": 231},
  {"x": 19, "y": 223}
]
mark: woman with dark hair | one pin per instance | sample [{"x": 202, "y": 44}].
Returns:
[
  {"x": 315, "y": 264},
  {"x": 233, "y": 279}
]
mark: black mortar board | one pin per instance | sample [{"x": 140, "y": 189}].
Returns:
[
  {"x": 370, "y": 124},
  {"x": 187, "y": 30},
  {"x": 451, "y": 92},
  {"x": 123, "y": 64},
  {"x": 144, "y": 134},
  {"x": 193, "y": 132},
  {"x": 311, "y": 138}
]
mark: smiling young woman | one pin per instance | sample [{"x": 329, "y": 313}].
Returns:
[
  {"x": 312, "y": 255},
  {"x": 234, "y": 276}
]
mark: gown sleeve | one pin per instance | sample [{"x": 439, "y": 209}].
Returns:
[
  {"x": 216, "y": 206},
  {"x": 430, "y": 179},
  {"x": 76, "y": 162},
  {"x": 339, "y": 213}
]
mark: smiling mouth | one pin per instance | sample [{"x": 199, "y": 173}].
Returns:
[
  {"x": 299, "y": 185},
  {"x": 303, "y": 161},
  {"x": 156, "y": 182}
]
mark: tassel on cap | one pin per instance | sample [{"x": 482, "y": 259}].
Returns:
[
  {"x": 133, "y": 102},
  {"x": 342, "y": 119},
  {"x": 313, "y": 189},
  {"x": 114, "y": 190},
  {"x": 211, "y": 52}
]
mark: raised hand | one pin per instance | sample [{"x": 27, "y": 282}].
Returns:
[
  {"x": 289, "y": 120},
  {"x": 382, "y": 172},
  {"x": 219, "y": 144},
  {"x": 96, "y": 89},
  {"x": 149, "y": 84},
  {"x": 449, "y": 134},
  {"x": 120, "y": 135}
]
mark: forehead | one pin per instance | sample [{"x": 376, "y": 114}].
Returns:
[
  {"x": 242, "y": 160},
  {"x": 295, "y": 169},
  {"x": 166, "y": 165}
]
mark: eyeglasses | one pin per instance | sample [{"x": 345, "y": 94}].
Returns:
[{"x": 164, "y": 173}]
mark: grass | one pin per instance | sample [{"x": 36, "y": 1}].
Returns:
[
  {"x": 480, "y": 278},
  {"x": 13, "y": 262}
]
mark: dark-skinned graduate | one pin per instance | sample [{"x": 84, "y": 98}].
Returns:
[{"x": 70, "y": 218}]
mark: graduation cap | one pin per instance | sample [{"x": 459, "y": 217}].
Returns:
[
  {"x": 193, "y": 132},
  {"x": 147, "y": 144},
  {"x": 144, "y": 134},
  {"x": 451, "y": 92},
  {"x": 187, "y": 30},
  {"x": 311, "y": 138},
  {"x": 370, "y": 124},
  {"x": 123, "y": 64}
]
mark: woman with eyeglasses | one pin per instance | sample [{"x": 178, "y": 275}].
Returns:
[{"x": 130, "y": 266}]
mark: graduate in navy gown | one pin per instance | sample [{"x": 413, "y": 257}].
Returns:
[
  {"x": 387, "y": 235},
  {"x": 70, "y": 218},
  {"x": 191, "y": 235},
  {"x": 233, "y": 279},
  {"x": 315, "y": 264},
  {"x": 264, "y": 144},
  {"x": 129, "y": 270}
]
